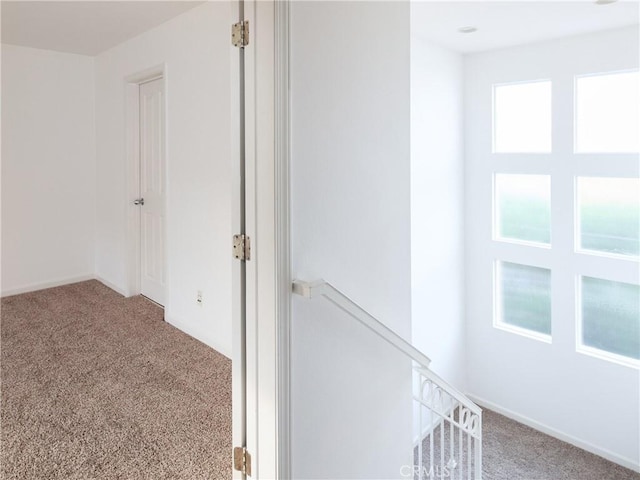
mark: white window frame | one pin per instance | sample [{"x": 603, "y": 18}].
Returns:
[
  {"x": 593, "y": 351},
  {"x": 496, "y": 216},
  {"x": 564, "y": 174},
  {"x": 494, "y": 87},
  {"x": 575, "y": 108},
  {"x": 498, "y": 321},
  {"x": 577, "y": 224}
]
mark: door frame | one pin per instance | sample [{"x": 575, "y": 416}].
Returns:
[
  {"x": 282, "y": 201},
  {"x": 132, "y": 144},
  {"x": 265, "y": 429}
]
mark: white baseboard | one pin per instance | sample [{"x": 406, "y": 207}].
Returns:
[
  {"x": 611, "y": 456},
  {"x": 112, "y": 286},
  {"x": 184, "y": 327},
  {"x": 180, "y": 325},
  {"x": 34, "y": 287}
]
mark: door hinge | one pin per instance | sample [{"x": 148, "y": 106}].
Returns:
[
  {"x": 242, "y": 460},
  {"x": 240, "y": 34},
  {"x": 241, "y": 247}
]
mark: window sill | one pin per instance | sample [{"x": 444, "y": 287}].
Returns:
[
  {"x": 608, "y": 357},
  {"x": 541, "y": 337}
]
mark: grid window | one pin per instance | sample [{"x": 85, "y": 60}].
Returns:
[
  {"x": 523, "y": 208},
  {"x": 602, "y": 216},
  {"x": 607, "y": 113},
  {"x": 609, "y": 215},
  {"x": 524, "y": 297},
  {"x": 610, "y": 317},
  {"x": 522, "y": 117}
]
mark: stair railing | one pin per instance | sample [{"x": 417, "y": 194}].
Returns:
[{"x": 447, "y": 424}]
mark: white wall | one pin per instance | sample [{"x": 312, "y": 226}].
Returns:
[
  {"x": 586, "y": 400},
  {"x": 437, "y": 202},
  {"x": 48, "y": 168},
  {"x": 351, "y": 226},
  {"x": 195, "y": 49}
]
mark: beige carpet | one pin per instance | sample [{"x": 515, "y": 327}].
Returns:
[
  {"x": 96, "y": 386},
  {"x": 513, "y": 451}
]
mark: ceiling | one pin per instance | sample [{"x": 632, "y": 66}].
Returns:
[
  {"x": 91, "y": 27},
  {"x": 83, "y": 27},
  {"x": 510, "y": 23}
]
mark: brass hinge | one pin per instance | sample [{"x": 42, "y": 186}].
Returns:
[
  {"x": 240, "y": 34},
  {"x": 242, "y": 460},
  {"x": 241, "y": 247}
]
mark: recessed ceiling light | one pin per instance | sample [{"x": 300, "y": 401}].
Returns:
[
  {"x": 605, "y": 2},
  {"x": 469, "y": 29}
]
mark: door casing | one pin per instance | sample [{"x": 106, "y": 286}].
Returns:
[
  {"x": 132, "y": 122},
  {"x": 153, "y": 191},
  {"x": 265, "y": 428}
]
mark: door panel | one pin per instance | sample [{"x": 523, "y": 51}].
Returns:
[{"x": 152, "y": 190}]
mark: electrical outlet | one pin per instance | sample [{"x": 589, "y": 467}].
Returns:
[{"x": 199, "y": 298}]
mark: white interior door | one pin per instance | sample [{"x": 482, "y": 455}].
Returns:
[{"x": 152, "y": 190}]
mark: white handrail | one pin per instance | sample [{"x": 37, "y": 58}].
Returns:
[
  {"x": 339, "y": 299},
  {"x": 469, "y": 421}
]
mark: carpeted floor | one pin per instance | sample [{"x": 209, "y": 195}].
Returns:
[
  {"x": 513, "y": 451},
  {"x": 96, "y": 386}
]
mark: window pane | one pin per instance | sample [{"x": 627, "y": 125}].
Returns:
[
  {"x": 523, "y": 209},
  {"x": 609, "y": 211},
  {"x": 525, "y": 296},
  {"x": 522, "y": 118},
  {"x": 611, "y": 316},
  {"x": 607, "y": 113}
]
